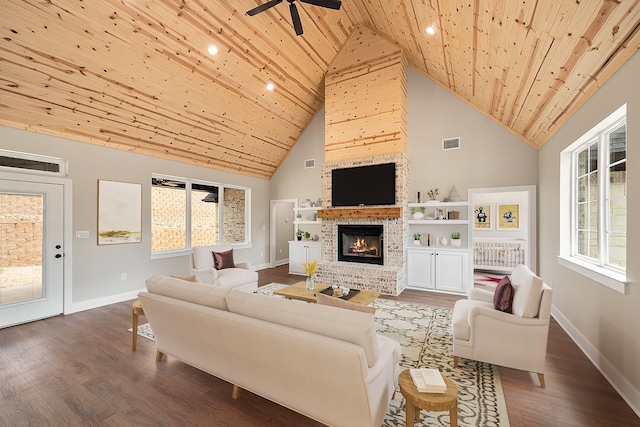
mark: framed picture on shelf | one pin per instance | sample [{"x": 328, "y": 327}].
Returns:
[
  {"x": 119, "y": 212},
  {"x": 482, "y": 216},
  {"x": 509, "y": 217}
]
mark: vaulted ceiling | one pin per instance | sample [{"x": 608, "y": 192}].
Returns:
[{"x": 136, "y": 75}]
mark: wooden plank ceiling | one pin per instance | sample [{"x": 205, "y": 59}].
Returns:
[{"x": 135, "y": 74}]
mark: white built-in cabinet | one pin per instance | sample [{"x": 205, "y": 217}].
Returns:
[
  {"x": 301, "y": 251},
  {"x": 438, "y": 269},
  {"x": 432, "y": 265}
]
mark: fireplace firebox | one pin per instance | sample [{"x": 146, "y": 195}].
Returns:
[{"x": 361, "y": 243}]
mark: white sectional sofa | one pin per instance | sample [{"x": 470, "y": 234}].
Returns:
[
  {"x": 241, "y": 277},
  {"x": 325, "y": 362}
]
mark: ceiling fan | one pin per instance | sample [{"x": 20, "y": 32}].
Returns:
[{"x": 295, "y": 17}]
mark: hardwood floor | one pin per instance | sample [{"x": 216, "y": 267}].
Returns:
[{"x": 79, "y": 370}]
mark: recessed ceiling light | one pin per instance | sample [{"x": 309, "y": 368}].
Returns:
[
  {"x": 270, "y": 86},
  {"x": 430, "y": 30},
  {"x": 213, "y": 49}
]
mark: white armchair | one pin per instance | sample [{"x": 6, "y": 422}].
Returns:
[
  {"x": 240, "y": 277},
  {"x": 518, "y": 340}
]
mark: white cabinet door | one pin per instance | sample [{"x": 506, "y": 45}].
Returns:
[
  {"x": 451, "y": 271},
  {"x": 421, "y": 268},
  {"x": 297, "y": 255},
  {"x": 300, "y": 252}
]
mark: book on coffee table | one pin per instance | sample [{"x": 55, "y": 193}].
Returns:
[{"x": 428, "y": 380}]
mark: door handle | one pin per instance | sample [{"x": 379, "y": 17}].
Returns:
[{"x": 58, "y": 256}]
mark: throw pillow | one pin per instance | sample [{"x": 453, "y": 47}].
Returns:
[
  {"x": 503, "y": 296},
  {"x": 193, "y": 278},
  {"x": 527, "y": 291},
  {"x": 223, "y": 260},
  {"x": 325, "y": 299}
]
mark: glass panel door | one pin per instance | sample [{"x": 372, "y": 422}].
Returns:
[{"x": 31, "y": 252}]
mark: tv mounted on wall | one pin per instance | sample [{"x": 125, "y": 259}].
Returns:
[{"x": 364, "y": 185}]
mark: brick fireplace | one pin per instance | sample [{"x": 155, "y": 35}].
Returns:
[{"x": 389, "y": 276}]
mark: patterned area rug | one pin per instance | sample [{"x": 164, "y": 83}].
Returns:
[
  {"x": 424, "y": 334},
  {"x": 490, "y": 280}
]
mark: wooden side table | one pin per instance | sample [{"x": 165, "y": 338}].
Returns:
[
  {"x": 447, "y": 401},
  {"x": 137, "y": 310}
]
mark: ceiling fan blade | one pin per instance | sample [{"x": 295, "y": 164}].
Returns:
[
  {"x": 329, "y": 4},
  {"x": 263, "y": 7},
  {"x": 295, "y": 17}
]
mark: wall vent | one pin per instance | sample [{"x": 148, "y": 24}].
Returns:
[
  {"x": 451, "y": 143},
  {"x": 34, "y": 163},
  {"x": 310, "y": 163}
]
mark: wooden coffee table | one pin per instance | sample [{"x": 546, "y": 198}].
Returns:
[
  {"x": 300, "y": 292},
  {"x": 447, "y": 401}
]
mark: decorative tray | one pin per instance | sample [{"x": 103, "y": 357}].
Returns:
[{"x": 351, "y": 294}]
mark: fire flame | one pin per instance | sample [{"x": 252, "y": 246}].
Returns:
[{"x": 360, "y": 245}]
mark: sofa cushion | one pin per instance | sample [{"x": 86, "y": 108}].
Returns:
[
  {"x": 235, "y": 277},
  {"x": 223, "y": 260},
  {"x": 346, "y": 325},
  {"x": 460, "y": 327},
  {"x": 192, "y": 278},
  {"x": 325, "y": 299},
  {"x": 503, "y": 296},
  {"x": 527, "y": 291},
  {"x": 195, "y": 292}
]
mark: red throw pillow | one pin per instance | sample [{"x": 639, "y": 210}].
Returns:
[
  {"x": 223, "y": 259},
  {"x": 503, "y": 296}
]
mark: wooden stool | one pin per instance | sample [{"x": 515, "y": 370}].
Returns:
[
  {"x": 137, "y": 310},
  {"x": 447, "y": 401}
]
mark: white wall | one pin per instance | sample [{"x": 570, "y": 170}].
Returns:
[
  {"x": 97, "y": 269},
  {"x": 292, "y": 180},
  {"x": 489, "y": 155},
  {"x": 603, "y": 322}
]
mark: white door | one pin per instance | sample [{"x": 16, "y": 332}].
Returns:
[{"x": 31, "y": 251}]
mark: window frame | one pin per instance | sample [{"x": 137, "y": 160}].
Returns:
[
  {"x": 600, "y": 270},
  {"x": 188, "y": 220}
]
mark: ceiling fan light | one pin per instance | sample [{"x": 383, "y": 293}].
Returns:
[{"x": 430, "y": 30}]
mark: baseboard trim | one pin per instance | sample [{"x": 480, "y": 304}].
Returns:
[
  {"x": 101, "y": 302},
  {"x": 627, "y": 391}
]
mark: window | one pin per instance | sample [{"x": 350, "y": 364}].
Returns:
[
  {"x": 595, "y": 168},
  {"x": 187, "y": 213},
  {"x": 34, "y": 163}
]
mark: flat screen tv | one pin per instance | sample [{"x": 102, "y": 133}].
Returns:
[{"x": 364, "y": 185}]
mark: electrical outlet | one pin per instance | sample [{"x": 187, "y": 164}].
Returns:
[{"x": 123, "y": 276}]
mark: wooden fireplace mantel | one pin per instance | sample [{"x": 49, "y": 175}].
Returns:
[{"x": 360, "y": 213}]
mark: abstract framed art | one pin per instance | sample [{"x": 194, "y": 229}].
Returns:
[{"x": 119, "y": 212}]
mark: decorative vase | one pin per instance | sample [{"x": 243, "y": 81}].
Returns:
[
  {"x": 309, "y": 283},
  {"x": 444, "y": 241},
  {"x": 416, "y": 242},
  {"x": 453, "y": 194},
  {"x": 455, "y": 242},
  {"x": 418, "y": 215}
]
